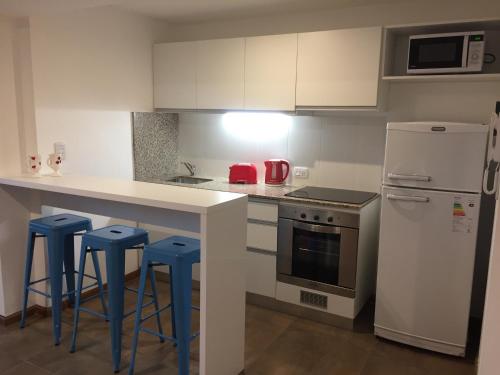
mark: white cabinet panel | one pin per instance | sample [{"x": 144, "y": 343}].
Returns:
[
  {"x": 263, "y": 211},
  {"x": 175, "y": 75},
  {"x": 270, "y": 72},
  {"x": 220, "y": 67},
  {"x": 261, "y": 274},
  {"x": 260, "y": 236},
  {"x": 339, "y": 67}
]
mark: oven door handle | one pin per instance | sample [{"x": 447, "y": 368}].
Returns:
[{"x": 316, "y": 228}]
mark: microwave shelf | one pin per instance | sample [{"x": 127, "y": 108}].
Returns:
[{"x": 467, "y": 77}]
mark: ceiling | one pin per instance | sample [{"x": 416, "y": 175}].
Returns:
[{"x": 182, "y": 11}]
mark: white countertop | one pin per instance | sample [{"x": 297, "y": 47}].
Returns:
[{"x": 177, "y": 198}]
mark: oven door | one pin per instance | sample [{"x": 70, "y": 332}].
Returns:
[
  {"x": 440, "y": 54},
  {"x": 323, "y": 254}
]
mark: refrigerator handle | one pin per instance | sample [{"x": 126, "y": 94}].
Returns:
[
  {"x": 408, "y": 198},
  {"x": 411, "y": 177}
]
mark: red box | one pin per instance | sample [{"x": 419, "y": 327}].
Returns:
[{"x": 243, "y": 173}]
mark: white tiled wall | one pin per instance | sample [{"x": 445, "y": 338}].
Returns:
[{"x": 339, "y": 152}]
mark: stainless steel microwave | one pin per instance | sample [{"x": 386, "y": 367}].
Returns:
[{"x": 446, "y": 53}]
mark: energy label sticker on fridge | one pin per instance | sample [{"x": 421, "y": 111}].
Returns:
[{"x": 461, "y": 222}]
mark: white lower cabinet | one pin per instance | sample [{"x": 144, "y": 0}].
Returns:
[
  {"x": 261, "y": 273},
  {"x": 262, "y": 236}
]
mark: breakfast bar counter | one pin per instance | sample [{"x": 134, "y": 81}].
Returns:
[{"x": 217, "y": 218}]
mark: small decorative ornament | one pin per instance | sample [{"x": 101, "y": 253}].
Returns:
[
  {"x": 34, "y": 165},
  {"x": 54, "y": 162}
]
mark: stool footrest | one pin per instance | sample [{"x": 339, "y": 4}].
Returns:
[
  {"x": 157, "y": 334},
  {"x": 133, "y": 311},
  {"x": 93, "y": 312},
  {"x": 39, "y": 292},
  {"x": 39, "y": 281},
  {"x": 150, "y": 295},
  {"x": 154, "y": 313}
]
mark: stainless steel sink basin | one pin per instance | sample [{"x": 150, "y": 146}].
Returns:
[{"x": 188, "y": 180}]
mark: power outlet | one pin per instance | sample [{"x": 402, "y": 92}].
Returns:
[
  {"x": 60, "y": 148},
  {"x": 301, "y": 172}
]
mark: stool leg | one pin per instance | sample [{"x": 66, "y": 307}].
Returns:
[
  {"x": 172, "y": 310},
  {"x": 69, "y": 266},
  {"x": 182, "y": 308},
  {"x": 97, "y": 269},
  {"x": 27, "y": 274},
  {"x": 56, "y": 255},
  {"x": 115, "y": 266},
  {"x": 78, "y": 293},
  {"x": 155, "y": 299},
  {"x": 138, "y": 312}
]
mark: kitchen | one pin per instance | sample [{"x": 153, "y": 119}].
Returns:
[{"x": 67, "y": 75}]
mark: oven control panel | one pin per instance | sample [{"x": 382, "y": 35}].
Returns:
[{"x": 319, "y": 214}]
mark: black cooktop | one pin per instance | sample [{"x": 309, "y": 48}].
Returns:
[{"x": 332, "y": 195}]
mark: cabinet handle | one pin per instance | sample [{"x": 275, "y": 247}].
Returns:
[
  {"x": 409, "y": 177},
  {"x": 408, "y": 198}
]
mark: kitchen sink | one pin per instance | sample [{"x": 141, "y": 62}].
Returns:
[{"x": 188, "y": 180}]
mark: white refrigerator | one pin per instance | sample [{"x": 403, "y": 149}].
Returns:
[{"x": 431, "y": 194}]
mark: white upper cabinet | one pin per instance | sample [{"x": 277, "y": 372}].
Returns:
[
  {"x": 339, "y": 68},
  {"x": 270, "y": 72},
  {"x": 175, "y": 75},
  {"x": 220, "y": 74}
]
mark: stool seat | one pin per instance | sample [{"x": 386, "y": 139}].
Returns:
[
  {"x": 67, "y": 222},
  {"x": 168, "y": 249},
  {"x": 116, "y": 235}
]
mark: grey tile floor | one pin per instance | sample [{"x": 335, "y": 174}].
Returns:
[{"x": 276, "y": 344}]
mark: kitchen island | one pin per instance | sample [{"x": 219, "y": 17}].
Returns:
[{"x": 218, "y": 219}]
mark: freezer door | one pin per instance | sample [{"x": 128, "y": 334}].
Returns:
[
  {"x": 425, "y": 266},
  {"x": 440, "y": 156}
]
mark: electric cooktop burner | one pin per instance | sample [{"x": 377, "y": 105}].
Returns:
[{"x": 332, "y": 195}]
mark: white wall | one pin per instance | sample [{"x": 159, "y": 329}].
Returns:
[
  {"x": 77, "y": 77},
  {"x": 91, "y": 68},
  {"x": 10, "y": 162},
  {"x": 344, "y": 152}
]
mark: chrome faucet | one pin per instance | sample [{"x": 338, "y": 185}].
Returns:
[{"x": 190, "y": 167}]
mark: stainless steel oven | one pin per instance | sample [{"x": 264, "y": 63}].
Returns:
[{"x": 318, "y": 247}]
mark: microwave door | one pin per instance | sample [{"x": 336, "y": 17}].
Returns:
[{"x": 445, "y": 54}]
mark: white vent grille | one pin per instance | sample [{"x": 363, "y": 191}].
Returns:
[{"x": 313, "y": 299}]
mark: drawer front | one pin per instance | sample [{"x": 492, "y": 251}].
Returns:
[
  {"x": 261, "y": 273},
  {"x": 261, "y": 236},
  {"x": 263, "y": 211}
]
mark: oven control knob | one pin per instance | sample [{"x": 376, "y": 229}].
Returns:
[
  {"x": 316, "y": 217},
  {"x": 303, "y": 216},
  {"x": 330, "y": 219}
]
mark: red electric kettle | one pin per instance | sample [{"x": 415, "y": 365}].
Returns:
[{"x": 274, "y": 171}]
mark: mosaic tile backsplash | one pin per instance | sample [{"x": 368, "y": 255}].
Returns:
[{"x": 155, "y": 138}]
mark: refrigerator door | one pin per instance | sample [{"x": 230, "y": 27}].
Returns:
[
  {"x": 432, "y": 155},
  {"x": 425, "y": 266}
]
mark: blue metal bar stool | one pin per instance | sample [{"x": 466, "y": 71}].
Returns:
[
  {"x": 114, "y": 241},
  {"x": 59, "y": 231},
  {"x": 179, "y": 253}
]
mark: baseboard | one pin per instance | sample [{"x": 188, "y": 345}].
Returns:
[
  {"x": 47, "y": 311},
  {"x": 299, "y": 311}
]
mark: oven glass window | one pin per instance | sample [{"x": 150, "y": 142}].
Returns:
[
  {"x": 315, "y": 256},
  {"x": 442, "y": 52}
]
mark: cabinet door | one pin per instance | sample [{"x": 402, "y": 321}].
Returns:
[
  {"x": 339, "y": 67},
  {"x": 270, "y": 72},
  {"x": 220, "y": 73},
  {"x": 175, "y": 75},
  {"x": 261, "y": 273}
]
